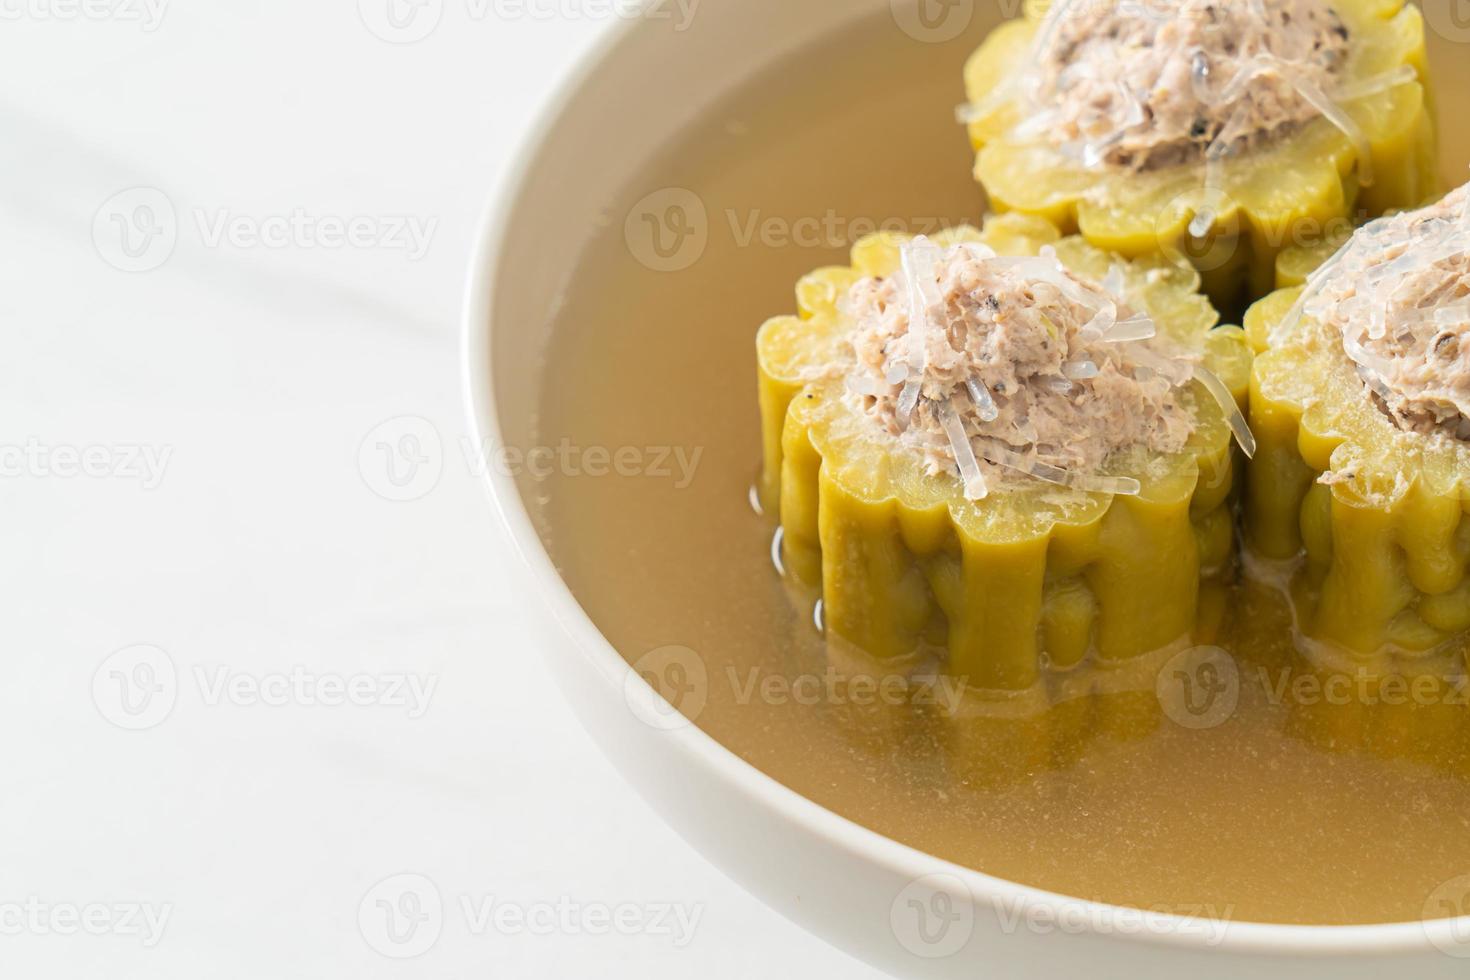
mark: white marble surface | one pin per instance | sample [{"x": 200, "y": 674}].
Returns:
[{"x": 180, "y": 468}]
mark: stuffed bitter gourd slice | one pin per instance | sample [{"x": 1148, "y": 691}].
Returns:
[
  {"x": 1220, "y": 132},
  {"x": 909, "y": 456},
  {"x": 1359, "y": 399}
]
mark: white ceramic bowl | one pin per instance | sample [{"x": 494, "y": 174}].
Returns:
[{"x": 904, "y": 911}]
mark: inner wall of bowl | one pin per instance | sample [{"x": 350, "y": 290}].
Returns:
[{"x": 651, "y": 81}]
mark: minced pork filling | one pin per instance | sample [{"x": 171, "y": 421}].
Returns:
[
  {"x": 1399, "y": 294},
  {"x": 1145, "y": 84},
  {"x": 993, "y": 367}
]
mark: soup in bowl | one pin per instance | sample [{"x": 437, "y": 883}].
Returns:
[{"x": 1254, "y": 810}]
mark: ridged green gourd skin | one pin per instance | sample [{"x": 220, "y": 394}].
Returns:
[{"x": 1294, "y": 191}]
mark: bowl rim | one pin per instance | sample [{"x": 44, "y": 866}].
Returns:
[{"x": 697, "y": 748}]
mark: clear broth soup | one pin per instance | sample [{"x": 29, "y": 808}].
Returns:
[{"x": 1255, "y": 819}]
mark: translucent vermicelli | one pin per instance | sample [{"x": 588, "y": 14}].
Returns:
[
  {"x": 1146, "y": 84},
  {"x": 1149, "y": 124},
  {"x": 996, "y": 366},
  {"x": 1399, "y": 292}
]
